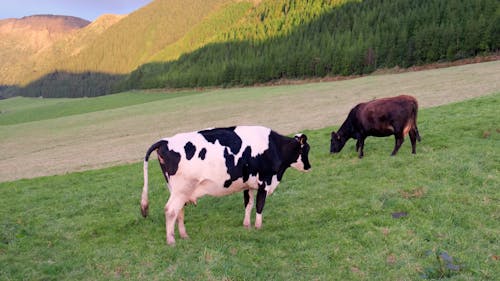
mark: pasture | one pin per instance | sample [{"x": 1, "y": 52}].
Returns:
[
  {"x": 41, "y": 137},
  {"x": 427, "y": 216}
]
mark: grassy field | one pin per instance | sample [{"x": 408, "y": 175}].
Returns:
[
  {"x": 46, "y": 137},
  {"x": 334, "y": 223},
  {"x": 22, "y": 110}
]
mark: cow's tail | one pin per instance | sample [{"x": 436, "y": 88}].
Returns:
[
  {"x": 144, "y": 197},
  {"x": 415, "y": 111},
  {"x": 417, "y": 133}
]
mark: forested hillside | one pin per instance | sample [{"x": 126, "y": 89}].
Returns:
[
  {"x": 297, "y": 39},
  {"x": 172, "y": 43},
  {"x": 132, "y": 41}
]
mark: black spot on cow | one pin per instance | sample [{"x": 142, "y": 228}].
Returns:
[
  {"x": 246, "y": 197},
  {"x": 172, "y": 161},
  {"x": 226, "y": 137},
  {"x": 227, "y": 183},
  {"x": 245, "y": 163},
  {"x": 230, "y": 166},
  {"x": 202, "y": 153},
  {"x": 190, "y": 150},
  {"x": 229, "y": 158},
  {"x": 243, "y": 169},
  {"x": 169, "y": 159},
  {"x": 281, "y": 152}
]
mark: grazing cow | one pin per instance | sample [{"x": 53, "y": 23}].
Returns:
[
  {"x": 380, "y": 118},
  {"x": 222, "y": 161}
]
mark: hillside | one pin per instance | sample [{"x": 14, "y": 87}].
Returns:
[
  {"x": 81, "y": 39},
  {"x": 207, "y": 31},
  {"x": 22, "y": 40},
  {"x": 172, "y": 43},
  {"x": 300, "y": 39},
  {"x": 140, "y": 35},
  {"x": 53, "y": 38},
  {"x": 112, "y": 51}
]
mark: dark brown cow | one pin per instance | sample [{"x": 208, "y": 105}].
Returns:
[{"x": 380, "y": 118}]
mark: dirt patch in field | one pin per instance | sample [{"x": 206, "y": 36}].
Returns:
[{"x": 122, "y": 135}]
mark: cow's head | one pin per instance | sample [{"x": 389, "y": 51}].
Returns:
[
  {"x": 301, "y": 163},
  {"x": 337, "y": 142}
]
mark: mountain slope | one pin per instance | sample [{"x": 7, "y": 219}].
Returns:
[
  {"x": 140, "y": 35},
  {"x": 96, "y": 60},
  {"x": 23, "y": 39},
  {"x": 207, "y": 31},
  {"x": 110, "y": 45},
  {"x": 39, "y": 31},
  {"x": 53, "y": 58}
]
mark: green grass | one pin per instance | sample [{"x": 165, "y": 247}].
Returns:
[
  {"x": 334, "y": 223},
  {"x": 20, "y": 110}
]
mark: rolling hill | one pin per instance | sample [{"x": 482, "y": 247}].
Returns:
[{"x": 196, "y": 43}]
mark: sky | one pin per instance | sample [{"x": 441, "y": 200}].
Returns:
[{"x": 86, "y": 9}]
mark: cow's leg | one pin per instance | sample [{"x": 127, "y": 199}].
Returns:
[
  {"x": 172, "y": 210},
  {"x": 357, "y": 145},
  {"x": 180, "y": 223},
  {"x": 248, "y": 200},
  {"x": 261, "y": 200},
  {"x": 361, "y": 145},
  {"x": 413, "y": 139},
  {"x": 399, "y": 141}
]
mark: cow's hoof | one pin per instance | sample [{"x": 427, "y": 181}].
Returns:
[
  {"x": 144, "y": 211},
  {"x": 247, "y": 224},
  {"x": 171, "y": 241}
]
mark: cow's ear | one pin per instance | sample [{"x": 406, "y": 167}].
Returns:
[{"x": 303, "y": 139}]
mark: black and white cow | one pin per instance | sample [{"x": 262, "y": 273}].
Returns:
[{"x": 222, "y": 161}]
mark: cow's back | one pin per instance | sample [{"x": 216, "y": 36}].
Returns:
[
  {"x": 379, "y": 116},
  {"x": 212, "y": 154}
]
